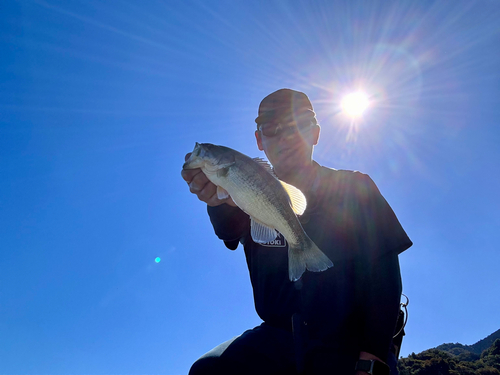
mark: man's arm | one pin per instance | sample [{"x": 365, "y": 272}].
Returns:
[
  {"x": 230, "y": 224},
  {"x": 379, "y": 273},
  {"x": 380, "y": 305}
]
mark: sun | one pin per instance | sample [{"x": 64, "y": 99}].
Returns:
[{"x": 355, "y": 104}]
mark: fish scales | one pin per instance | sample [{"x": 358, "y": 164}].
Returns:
[{"x": 254, "y": 190}]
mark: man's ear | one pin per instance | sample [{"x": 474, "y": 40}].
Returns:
[
  {"x": 258, "y": 137},
  {"x": 315, "y": 131}
]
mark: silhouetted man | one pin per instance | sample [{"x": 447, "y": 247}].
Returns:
[{"x": 339, "y": 321}]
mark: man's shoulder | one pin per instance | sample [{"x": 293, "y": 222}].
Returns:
[
  {"x": 341, "y": 173},
  {"x": 344, "y": 178},
  {"x": 347, "y": 186}
]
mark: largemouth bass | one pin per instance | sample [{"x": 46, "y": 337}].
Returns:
[{"x": 271, "y": 204}]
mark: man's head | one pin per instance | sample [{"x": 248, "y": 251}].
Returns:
[
  {"x": 287, "y": 129},
  {"x": 285, "y": 104}
]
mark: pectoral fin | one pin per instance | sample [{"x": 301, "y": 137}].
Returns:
[
  {"x": 222, "y": 193},
  {"x": 297, "y": 199},
  {"x": 261, "y": 233},
  {"x": 223, "y": 169}
]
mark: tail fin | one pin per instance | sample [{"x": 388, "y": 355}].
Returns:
[{"x": 309, "y": 257}]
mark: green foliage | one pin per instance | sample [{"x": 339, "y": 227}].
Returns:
[
  {"x": 453, "y": 347},
  {"x": 452, "y": 359},
  {"x": 468, "y": 357},
  {"x": 495, "y": 348},
  {"x": 487, "y": 371},
  {"x": 485, "y": 343}
]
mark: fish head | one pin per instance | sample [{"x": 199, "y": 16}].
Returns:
[{"x": 209, "y": 156}]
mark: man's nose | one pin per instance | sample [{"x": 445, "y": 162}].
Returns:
[
  {"x": 286, "y": 132},
  {"x": 289, "y": 134}
]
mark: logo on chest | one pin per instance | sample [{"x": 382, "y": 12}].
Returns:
[{"x": 277, "y": 242}]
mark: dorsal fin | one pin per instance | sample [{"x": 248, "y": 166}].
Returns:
[
  {"x": 266, "y": 166},
  {"x": 298, "y": 201}
]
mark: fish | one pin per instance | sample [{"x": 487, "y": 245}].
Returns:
[{"x": 272, "y": 205}]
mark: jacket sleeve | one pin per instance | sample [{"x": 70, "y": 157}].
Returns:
[
  {"x": 230, "y": 224},
  {"x": 380, "y": 304},
  {"x": 382, "y": 231},
  {"x": 383, "y": 239}
]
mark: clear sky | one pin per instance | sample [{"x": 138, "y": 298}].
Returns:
[{"x": 100, "y": 101}]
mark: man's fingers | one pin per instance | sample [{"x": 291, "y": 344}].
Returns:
[
  {"x": 214, "y": 201},
  {"x": 198, "y": 182},
  {"x": 202, "y": 187},
  {"x": 194, "y": 174},
  {"x": 188, "y": 174},
  {"x": 209, "y": 195},
  {"x": 204, "y": 192}
]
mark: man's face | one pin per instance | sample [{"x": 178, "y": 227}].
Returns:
[{"x": 288, "y": 144}]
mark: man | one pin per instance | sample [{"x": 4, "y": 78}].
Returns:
[{"x": 339, "y": 321}]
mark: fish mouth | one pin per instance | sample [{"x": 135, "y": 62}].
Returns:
[{"x": 193, "y": 160}]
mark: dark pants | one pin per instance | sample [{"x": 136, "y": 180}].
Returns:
[{"x": 266, "y": 350}]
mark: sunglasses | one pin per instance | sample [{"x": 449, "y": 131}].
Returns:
[{"x": 274, "y": 129}]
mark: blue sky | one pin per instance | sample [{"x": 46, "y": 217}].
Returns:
[{"x": 100, "y": 101}]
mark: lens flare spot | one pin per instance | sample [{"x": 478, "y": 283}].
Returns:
[
  {"x": 355, "y": 104},
  {"x": 157, "y": 260}
]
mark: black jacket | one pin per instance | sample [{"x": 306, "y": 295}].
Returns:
[{"x": 351, "y": 307}]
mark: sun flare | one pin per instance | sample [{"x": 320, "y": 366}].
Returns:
[{"x": 355, "y": 104}]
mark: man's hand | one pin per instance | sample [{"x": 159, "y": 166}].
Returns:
[
  {"x": 365, "y": 355},
  {"x": 202, "y": 187}
]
